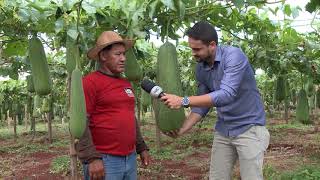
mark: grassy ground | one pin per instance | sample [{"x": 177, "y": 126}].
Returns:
[{"x": 294, "y": 153}]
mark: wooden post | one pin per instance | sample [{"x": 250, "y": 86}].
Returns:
[
  {"x": 158, "y": 133},
  {"x": 15, "y": 127}
]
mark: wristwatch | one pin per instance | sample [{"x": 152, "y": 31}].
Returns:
[{"x": 185, "y": 102}]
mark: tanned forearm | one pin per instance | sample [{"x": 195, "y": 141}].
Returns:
[
  {"x": 201, "y": 101},
  {"x": 191, "y": 120},
  {"x": 175, "y": 102}
]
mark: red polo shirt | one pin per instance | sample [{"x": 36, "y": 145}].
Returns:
[{"x": 110, "y": 107}]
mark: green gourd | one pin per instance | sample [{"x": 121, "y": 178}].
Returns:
[
  {"x": 72, "y": 54},
  {"x": 302, "y": 110},
  {"x": 168, "y": 77},
  {"x": 309, "y": 87},
  {"x": 45, "y": 105},
  {"x": 132, "y": 69},
  {"x": 36, "y": 106},
  {"x": 39, "y": 67},
  {"x": 30, "y": 86},
  {"x": 78, "y": 118}
]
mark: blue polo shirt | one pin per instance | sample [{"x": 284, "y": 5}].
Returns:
[{"x": 231, "y": 84}]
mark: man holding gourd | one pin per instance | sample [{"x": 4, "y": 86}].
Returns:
[
  {"x": 109, "y": 145},
  {"x": 225, "y": 81}
]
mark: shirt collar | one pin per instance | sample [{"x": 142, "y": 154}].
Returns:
[
  {"x": 217, "y": 59},
  {"x": 110, "y": 75},
  {"x": 218, "y": 54}
]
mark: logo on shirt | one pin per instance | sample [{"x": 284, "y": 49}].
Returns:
[{"x": 129, "y": 92}]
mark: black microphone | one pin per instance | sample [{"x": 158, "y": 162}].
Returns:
[{"x": 152, "y": 88}]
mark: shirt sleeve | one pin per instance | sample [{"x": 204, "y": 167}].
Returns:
[
  {"x": 202, "y": 89},
  {"x": 85, "y": 148},
  {"x": 234, "y": 70},
  {"x": 140, "y": 144}
]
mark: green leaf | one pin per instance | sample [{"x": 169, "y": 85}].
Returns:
[
  {"x": 154, "y": 7},
  {"x": 139, "y": 33},
  {"x": 99, "y": 11},
  {"x": 73, "y": 33},
  {"x": 290, "y": 37},
  {"x": 312, "y": 45},
  {"x": 68, "y": 4},
  {"x": 264, "y": 15},
  {"x": 4, "y": 72},
  {"x": 14, "y": 75},
  {"x": 169, "y": 4},
  {"x": 43, "y": 5},
  {"x": 35, "y": 15},
  {"x": 276, "y": 10},
  {"x": 88, "y": 8},
  {"x": 136, "y": 13},
  {"x": 100, "y": 3},
  {"x": 23, "y": 15},
  {"x": 238, "y": 3},
  {"x": 59, "y": 25},
  {"x": 270, "y": 9},
  {"x": 115, "y": 4},
  {"x": 35, "y": 6},
  {"x": 261, "y": 54},
  {"x": 16, "y": 48},
  {"x": 295, "y": 12},
  {"x": 182, "y": 9},
  {"x": 312, "y": 6},
  {"x": 287, "y": 10}
]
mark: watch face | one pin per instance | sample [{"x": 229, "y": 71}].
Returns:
[{"x": 185, "y": 101}]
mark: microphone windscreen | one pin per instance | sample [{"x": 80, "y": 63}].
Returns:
[{"x": 147, "y": 85}]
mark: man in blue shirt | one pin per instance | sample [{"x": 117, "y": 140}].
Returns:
[{"x": 225, "y": 81}]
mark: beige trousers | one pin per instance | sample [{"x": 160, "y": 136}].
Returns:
[{"x": 248, "y": 148}]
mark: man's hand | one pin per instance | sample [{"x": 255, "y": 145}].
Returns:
[
  {"x": 173, "y": 134},
  {"x": 145, "y": 157},
  {"x": 172, "y": 101},
  {"x": 96, "y": 169},
  {"x": 192, "y": 119},
  {"x": 176, "y": 133}
]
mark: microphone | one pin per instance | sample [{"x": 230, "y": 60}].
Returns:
[{"x": 151, "y": 88}]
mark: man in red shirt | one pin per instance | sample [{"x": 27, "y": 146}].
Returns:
[{"x": 108, "y": 147}]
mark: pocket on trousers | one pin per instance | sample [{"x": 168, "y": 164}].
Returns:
[
  {"x": 264, "y": 137},
  {"x": 252, "y": 142}
]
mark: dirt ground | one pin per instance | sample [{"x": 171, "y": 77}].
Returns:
[{"x": 288, "y": 149}]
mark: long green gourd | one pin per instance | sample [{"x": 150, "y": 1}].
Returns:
[
  {"x": 36, "y": 106},
  {"x": 302, "y": 110},
  {"x": 78, "y": 117},
  {"x": 72, "y": 54},
  {"x": 132, "y": 69},
  {"x": 30, "y": 86},
  {"x": 168, "y": 78},
  {"x": 39, "y": 67}
]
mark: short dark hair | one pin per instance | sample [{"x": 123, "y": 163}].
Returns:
[{"x": 203, "y": 31}]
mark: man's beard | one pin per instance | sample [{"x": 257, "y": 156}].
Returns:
[
  {"x": 207, "y": 59},
  {"x": 197, "y": 58}
]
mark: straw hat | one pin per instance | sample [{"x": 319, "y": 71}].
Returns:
[{"x": 105, "y": 39}]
